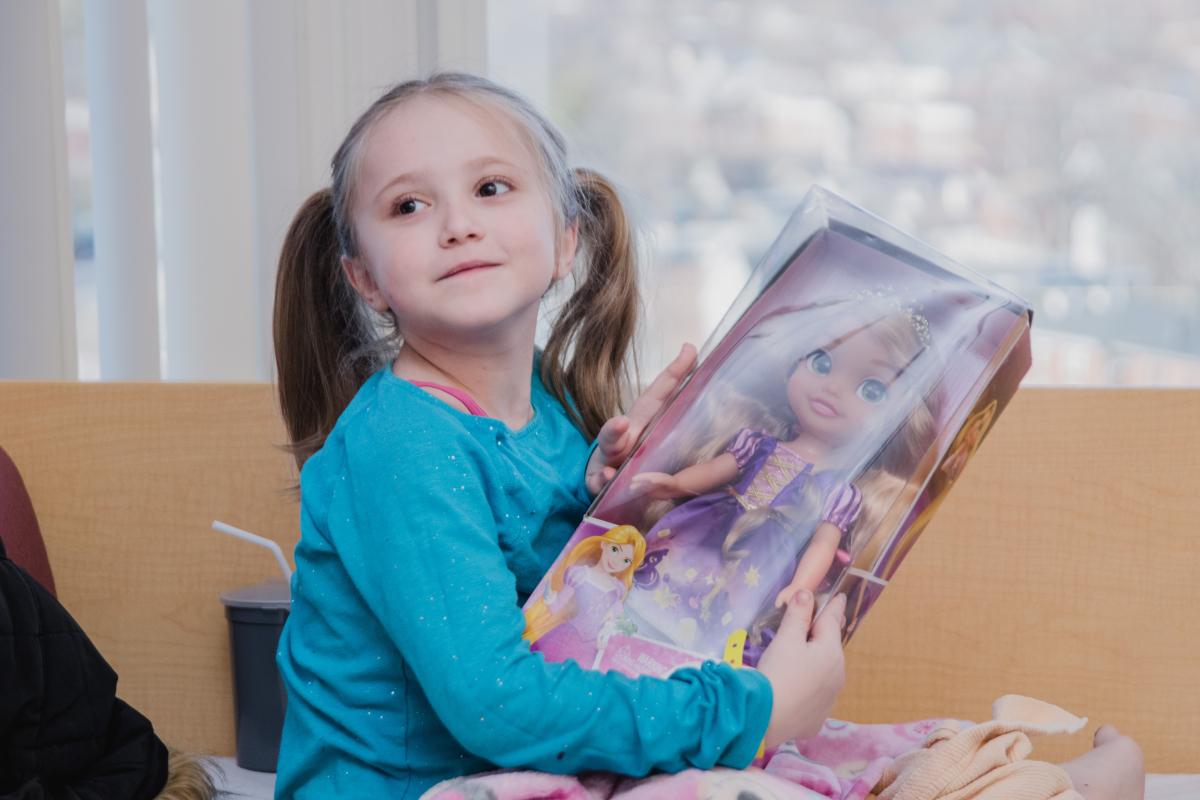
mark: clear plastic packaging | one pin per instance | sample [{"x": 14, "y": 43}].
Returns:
[{"x": 832, "y": 409}]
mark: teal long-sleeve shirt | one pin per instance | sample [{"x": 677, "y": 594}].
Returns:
[{"x": 423, "y": 529}]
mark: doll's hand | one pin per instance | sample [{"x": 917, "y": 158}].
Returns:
[
  {"x": 656, "y": 485},
  {"x": 785, "y": 594},
  {"x": 617, "y": 436},
  {"x": 806, "y": 668}
]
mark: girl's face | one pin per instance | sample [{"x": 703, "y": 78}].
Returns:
[
  {"x": 615, "y": 558},
  {"x": 835, "y": 392},
  {"x": 455, "y": 231}
]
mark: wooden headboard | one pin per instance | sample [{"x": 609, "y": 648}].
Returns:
[{"x": 1063, "y": 565}]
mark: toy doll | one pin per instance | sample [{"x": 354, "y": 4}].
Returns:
[
  {"x": 580, "y": 606},
  {"x": 821, "y": 448}
]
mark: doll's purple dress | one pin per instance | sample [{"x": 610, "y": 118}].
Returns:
[
  {"x": 593, "y": 593},
  {"x": 691, "y": 595}
]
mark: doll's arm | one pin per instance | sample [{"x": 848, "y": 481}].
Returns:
[
  {"x": 694, "y": 480},
  {"x": 816, "y": 561},
  {"x": 558, "y": 601}
]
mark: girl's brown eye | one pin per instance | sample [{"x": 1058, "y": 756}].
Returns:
[
  {"x": 494, "y": 187},
  {"x": 407, "y": 205}
]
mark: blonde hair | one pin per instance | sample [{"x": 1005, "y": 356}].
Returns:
[
  {"x": 762, "y": 404},
  {"x": 328, "y": 341},
  {"x": 188, "y": 778},
  {"x": 539, "y": 619}
]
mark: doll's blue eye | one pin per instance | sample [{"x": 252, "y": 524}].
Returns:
[
  {"x": 872, "y": 390},
  {"x": 820, "y": 362}
]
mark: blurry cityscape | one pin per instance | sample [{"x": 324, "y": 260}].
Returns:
[{"x": 1052, "y": 146}]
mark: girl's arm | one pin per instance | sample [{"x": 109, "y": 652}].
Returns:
[
  {"x": 428, "y": 561},
  {"x": 694, "y": 480}
]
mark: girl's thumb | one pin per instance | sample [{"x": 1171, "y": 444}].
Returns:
[
  {"x": 797, "y": 618},
  {"x": 832, "y": 618}
]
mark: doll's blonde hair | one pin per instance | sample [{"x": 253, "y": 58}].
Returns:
[
  {"x": 539, "y": 619},
  {"x": 760, "y": 402}
]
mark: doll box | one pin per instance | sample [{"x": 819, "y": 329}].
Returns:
[{"x": 829, "y": 415}]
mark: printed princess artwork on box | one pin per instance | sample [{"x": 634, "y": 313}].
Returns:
[
  {"x": 798, "y": 455},
  {"x": 579, "y": 608}
]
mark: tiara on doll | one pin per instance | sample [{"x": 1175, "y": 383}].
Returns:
[{"x": 911, "y": 311}]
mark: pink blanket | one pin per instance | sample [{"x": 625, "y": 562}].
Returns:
[{"x": 843, "y": 762}]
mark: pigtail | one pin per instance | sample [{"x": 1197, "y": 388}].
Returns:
[
  {"x": 588, "y": 359},
  {"x": 320, "y": 331}
]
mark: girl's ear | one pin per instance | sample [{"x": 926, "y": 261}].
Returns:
[
  {"x": 567, "y": 246},
  {"x": 364, "y": 283}
]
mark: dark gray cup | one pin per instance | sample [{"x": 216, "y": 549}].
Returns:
[{"x": 256, "y": 615}]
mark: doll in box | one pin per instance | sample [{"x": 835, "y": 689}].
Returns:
[
  {"x": 583, "y": 600},
  {"x": 802, "y": 453}
]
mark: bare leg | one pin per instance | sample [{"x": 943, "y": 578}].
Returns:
[{"x": 1112, "y": 770}]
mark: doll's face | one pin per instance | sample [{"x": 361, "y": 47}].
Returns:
[
  {"x": 615, "y": 558},
  {"x": 837, "y": 391}
]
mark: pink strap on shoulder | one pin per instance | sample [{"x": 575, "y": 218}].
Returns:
[{"x": 458, "y": 394}]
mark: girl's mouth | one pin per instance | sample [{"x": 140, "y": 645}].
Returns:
[
  {"x": 467, "y": 266},
  {"x": 822, "y": 408}
]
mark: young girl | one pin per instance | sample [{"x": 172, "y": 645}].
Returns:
[{"x": 445, "y": 463}]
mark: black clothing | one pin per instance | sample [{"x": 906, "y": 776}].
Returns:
[{"x": 64, "y": 734}]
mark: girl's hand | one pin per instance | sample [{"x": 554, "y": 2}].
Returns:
[
  {"x": 657, "y": 485},
  {"x": 618, "y": 436},
  {"x": 806, "y": 668}
]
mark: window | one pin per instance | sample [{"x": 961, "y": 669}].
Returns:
[{"x": 1050, "y": 146}]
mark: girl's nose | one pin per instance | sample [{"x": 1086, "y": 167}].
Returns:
[{"x": 459, "y": 225}]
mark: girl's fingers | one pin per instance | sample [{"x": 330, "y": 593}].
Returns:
[
  {"x": 831, "y": 620},
  {"x": 617, "y": 436},
  {"x": 651, "y": 400},
  {"x": 682, "y": 363},
  {"x": 611, "y": 437},
  {"x": 797, "y": 616}
]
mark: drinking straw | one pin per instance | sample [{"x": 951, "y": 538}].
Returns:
[{"x": 261, "y": 541}]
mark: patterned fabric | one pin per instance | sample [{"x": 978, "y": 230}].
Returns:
[
  {"x": 842, "y": 507},
  {"x": 780, "y": 468},
  {"x": 844, "y": 762}
]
